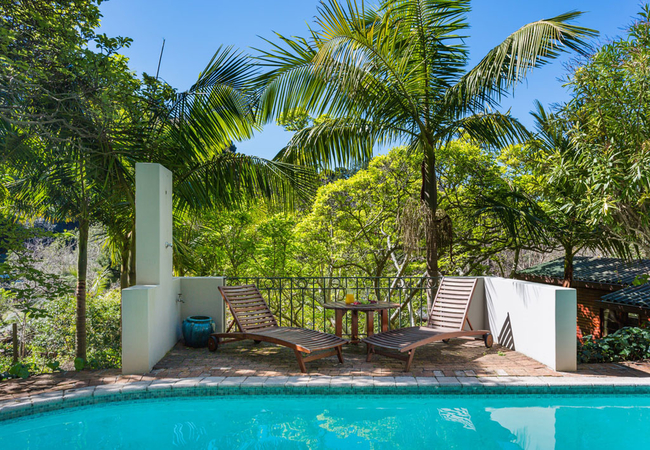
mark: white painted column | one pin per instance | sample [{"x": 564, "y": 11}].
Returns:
[{"x": 150, "y": 312}]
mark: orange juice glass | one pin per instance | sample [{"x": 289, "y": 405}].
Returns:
[{"x": 349, "y": 298}]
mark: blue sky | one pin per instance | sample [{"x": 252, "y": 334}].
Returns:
[{"x": 194, "y": 29}]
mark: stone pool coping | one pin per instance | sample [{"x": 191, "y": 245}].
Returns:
[{"x": 319, "y": 385}]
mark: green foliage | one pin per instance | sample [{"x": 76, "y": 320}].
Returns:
[
  {"x": 626, "y": 344},
  {"x": 294, "y": 120},
  {"x": 397, "y": 73},
  {"x": 235, "y": 243},
  {"x": 21, "y": 370},
  {"x": 611, "y": 113},
  {"x": 79, "y": 364},
  {"x": 25, "y": 287},
  {"x": 50, "y": 339},
  {"x": 354, "y": 225},
  {"x": 367, "y": 224},
  {"x": 54, "y": 336},
  {"x": 641, "y": 279}
]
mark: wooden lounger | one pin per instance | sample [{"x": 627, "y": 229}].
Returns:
[
  {"x": 446, "y": 320},
  {"x": 255, "y": 321}
]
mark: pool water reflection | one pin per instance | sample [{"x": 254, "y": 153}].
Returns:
[{"x": 341, "y": 421}]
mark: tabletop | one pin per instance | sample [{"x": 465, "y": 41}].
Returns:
[{"x": 362, "y": 307}]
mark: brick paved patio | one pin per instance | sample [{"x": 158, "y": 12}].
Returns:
[{"x": 461, "y": 358}]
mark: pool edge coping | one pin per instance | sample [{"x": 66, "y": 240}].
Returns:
[{"x": 306, "y": 385}]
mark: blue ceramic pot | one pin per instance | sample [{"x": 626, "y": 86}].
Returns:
[{"x": 197, "y": 330}]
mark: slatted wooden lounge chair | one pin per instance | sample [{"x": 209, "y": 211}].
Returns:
[
  {"x": 255, "y": 321},
  {"x": 446, "y": 320}
]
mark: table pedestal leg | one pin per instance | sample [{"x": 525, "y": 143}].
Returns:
[
  {"x": 370, "y": 322},
  {"x": 355, "y": 327},
  {"x": 384, "y": 320},
  {"x": 338, "y": 322}
]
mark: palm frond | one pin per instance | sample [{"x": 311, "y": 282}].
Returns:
[
  {"x": 492, "y": 128},
  {"x": 507, "y": 64},
  {"x": 523, "y": 220},
  {"x": 229, "y": 179},
  {"x": 340, "y": 142},
  {"x": 216, "y": 110}
]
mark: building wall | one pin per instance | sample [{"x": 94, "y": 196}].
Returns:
[{"x": 590, "y": 312}]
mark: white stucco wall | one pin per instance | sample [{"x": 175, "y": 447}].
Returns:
[
  {"x": 542, "y": 320},
  {"x": 201, "y": 297},
  {"x": 477, "y": 310},
  {"x": 151, "y": 314},
  {"x": 136, "y": 304}
]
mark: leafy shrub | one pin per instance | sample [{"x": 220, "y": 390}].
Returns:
[
  {"x": 54, "y": 336},
  {"x": 626, "y": 344},
  {"x": 51, "y": 338}
]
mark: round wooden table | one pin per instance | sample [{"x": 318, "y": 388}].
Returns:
[{"x": 341, "y": 308}]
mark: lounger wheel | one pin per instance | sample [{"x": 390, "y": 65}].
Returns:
[
  {"x": 213, "y": 343},
  {"x": 487, "y": 338}
]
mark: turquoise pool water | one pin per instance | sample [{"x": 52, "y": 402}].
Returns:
[{"x": 341, "y": 422}]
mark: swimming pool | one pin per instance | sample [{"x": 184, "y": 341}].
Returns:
[{"x": 340, "y": 422}]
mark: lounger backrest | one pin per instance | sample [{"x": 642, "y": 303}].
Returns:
[
  {"x": 449, "y": 309},
  {"x": 250, "y": 311}
]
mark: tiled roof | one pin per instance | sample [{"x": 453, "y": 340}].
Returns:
[
  {"x": 638, "y": 296},
  {"x": 593, "y": 269}
]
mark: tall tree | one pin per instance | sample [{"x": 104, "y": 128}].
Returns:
[
  {"x": 611, "y": 115},
  {"x": 556, "y": 180},
  {"x": 398, "y": 73},
  {"x": 60, "y": 105},
  {"x": 74, "y": 121}
]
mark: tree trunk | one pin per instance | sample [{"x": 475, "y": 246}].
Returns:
[
  {"x": 124, "y": 263},
  {"x": 132, "y": 274},
  {"x": 515, "y": 263},
  {"x": 568, "y": 266},
  {"x": 429, "y": 198},
  {"x": 82, "y": 267}
]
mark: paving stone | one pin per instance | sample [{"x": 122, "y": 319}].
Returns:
[
  {"x": 47, "y": 397},
  {"x": 138, "y": 386},
  {"x": 406, "y": 382},
  {"x": 105, "y": 390},
  {"x": 384, "y": 382},
  {"x": 469, "y": 381},
  {"x": 295, "y": 381},
  {"x": 460, "y": 359},
  {"x": 211, "y": 381},
  {"x": 254, "y": 381},
  {"x": 362, "y": 381},
  {"x": 341, "y": 383},
  {"x": 187, "y": 383},
  {"x": 16, "y": 406},
  {"x": 427, "y": 381},
  {"x": 76, "y": 394},
  {"x": 444, "y": 381},
  {"x": 232, "y": 382},
  {"x": 320, "y": 381}
]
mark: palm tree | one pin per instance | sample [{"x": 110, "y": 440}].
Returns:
[{"x": 398, "y": 74}]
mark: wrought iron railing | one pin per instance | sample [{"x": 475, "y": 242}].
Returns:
[{"x": 298, "y": 302}]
